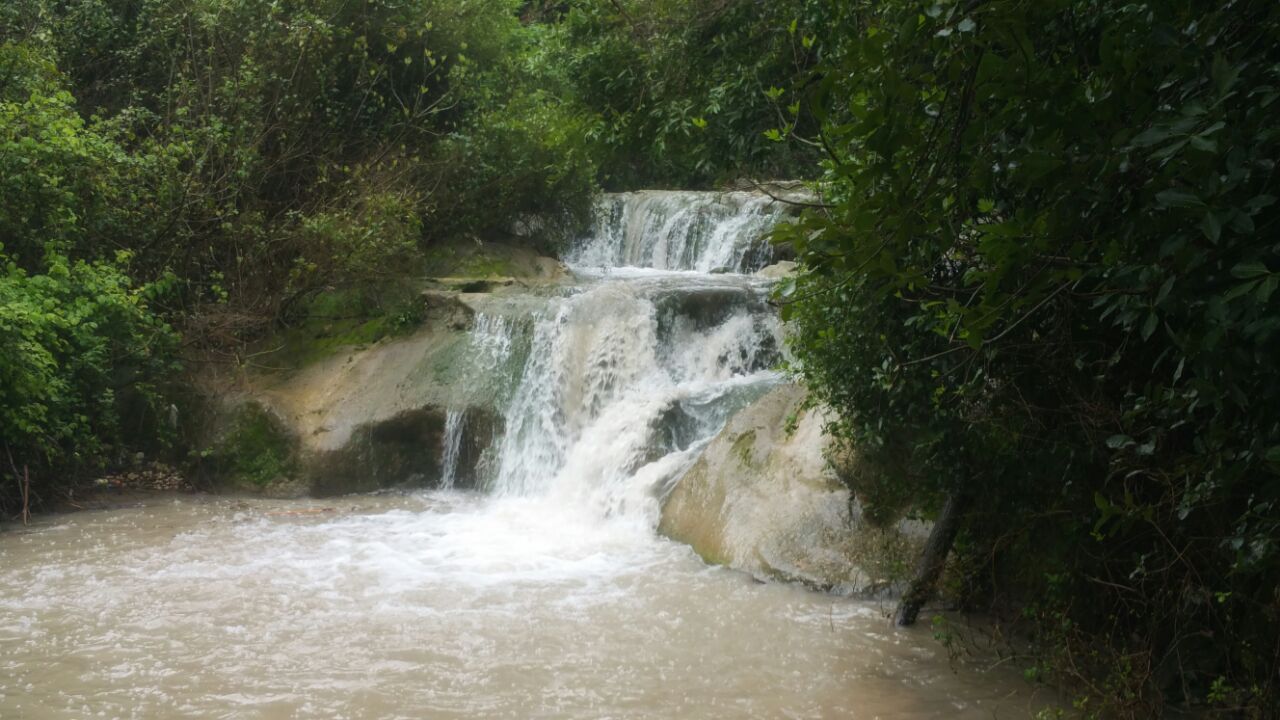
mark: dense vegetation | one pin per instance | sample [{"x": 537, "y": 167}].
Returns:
[
  {"x": 219, "y": 163},
  {"x": 1040, "y": 287},
  {"x": 686, "y": 92},
  {"x": 1043, "y": 286}
]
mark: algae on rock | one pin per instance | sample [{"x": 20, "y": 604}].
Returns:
[{"x": 256, "y": 451}]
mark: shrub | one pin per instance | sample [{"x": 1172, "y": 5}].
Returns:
[
  {"x": 1045, "y": 277},
  {"x": 81, "y": 369}
]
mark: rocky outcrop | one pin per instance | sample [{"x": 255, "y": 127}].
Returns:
[
  {"x": 360, "y": 419},
  {"x": 778, "y": 271},
  {"x": 406, "y": 449},
  {"x": 490, "y": 262},
  {"x": 797, "y": 193},
  {"x": 763, "y": 499}
]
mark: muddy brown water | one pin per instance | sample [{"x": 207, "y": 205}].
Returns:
[{"x": 443, "y": 605}]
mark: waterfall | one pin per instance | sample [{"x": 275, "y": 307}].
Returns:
[
  {"x": 492, "y": 338},
  {"x": 576, "y": 406},
  {"x": 454, "y": 423},
  {"x": 668, "y": 230},
  {"x": 630, "y": 375}
]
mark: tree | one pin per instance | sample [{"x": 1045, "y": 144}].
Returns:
[{"x": 1043, "y": 279}]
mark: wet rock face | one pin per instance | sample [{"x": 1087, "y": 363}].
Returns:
[
  {"x": 362, "y": 420},
  {"x": 763, "y": 499},
  {"x": 404, "y": 449},
  {"x": 365, "y": 419},
  {"x": 444, "y": 307},
  {"x": 480, "y": 432},
  {"x": 261, "y": 453}
]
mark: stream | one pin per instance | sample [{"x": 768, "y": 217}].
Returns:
[{"x": 545, "y": 593}]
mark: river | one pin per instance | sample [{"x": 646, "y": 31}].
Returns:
[{"x": 544, "y": 594}]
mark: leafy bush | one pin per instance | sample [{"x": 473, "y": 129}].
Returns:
[
  {"x": 255, "y": 451},
  {"x": 1045, "y": 279},
  {"x": 528, "y": 157},
  {"x": 81, "y": 360},
  {"x": 685, "y": 88},
  {"x": 273, "y": 136},
  {"x": 64, "y": 182},
  {"x": 84, "y": 354},
  {"x": 247, "y": 155},
  {"x": 373, "y": 239}
]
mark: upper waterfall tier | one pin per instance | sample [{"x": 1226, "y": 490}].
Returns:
[{"x": 681, "y": 230}]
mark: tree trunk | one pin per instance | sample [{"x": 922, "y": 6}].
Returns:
[{"x": 932, "y": 560}]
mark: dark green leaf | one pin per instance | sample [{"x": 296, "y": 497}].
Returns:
[{"x": 1248, "y": 270}]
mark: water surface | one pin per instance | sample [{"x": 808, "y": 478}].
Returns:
[
  {"x": 437, "y": 605},
  {"x": 548, "y": 596}
]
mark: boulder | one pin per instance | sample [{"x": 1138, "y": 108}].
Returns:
[
  {"x": 778, "y": 270},
  {"x": 358, "y": 420},
  {"x": 763, "y": 499},
  {"x": 404, "y": 450}
]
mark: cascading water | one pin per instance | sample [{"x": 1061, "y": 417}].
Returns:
[
  {"x": 492, "y": 337},
  {"x": 627, "y": 379},
  {"x": 667, "y": 230},
  {"x": 454, "y": 424},
  {"x": 549, "y": 596}
]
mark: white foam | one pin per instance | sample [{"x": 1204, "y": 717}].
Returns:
[{"x": 680, "y": 230}]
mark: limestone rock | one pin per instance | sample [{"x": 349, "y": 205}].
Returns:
[
  {"x": 763, "y": 499},
  {"x": 406, "y": 449},
  {"x": 797, "y": 192},
  {"x": 778, "y": 270},
  {"x": 360, "y": 420}
]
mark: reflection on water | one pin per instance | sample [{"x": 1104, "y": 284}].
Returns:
[{"x": 442, "y": 605}]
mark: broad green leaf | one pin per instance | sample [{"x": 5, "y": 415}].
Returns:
[
  {"x": 1211, "y": 226},
  {"x": 1150, "y": 325},
  {"x": 1248, "y": 270},
  {"x": 1178, "y": 199}
]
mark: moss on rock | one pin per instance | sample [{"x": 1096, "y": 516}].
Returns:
[
  {"x": 490, "y": 260},
  {"x": 341, "y": 319},
  {"x": 256, "y": 452}
]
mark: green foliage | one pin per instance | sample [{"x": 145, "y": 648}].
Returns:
[
  {"x": 81, "y": 354},
  {"x": 252, "y": 155},
  {"x": 527, "y": 158},
  {"x": 64, "y": 183},
  {"x": 376, "y": 238},
  {"x": 682, "y": 87},
  {"x": 1045, "y": 277},
  {"x": 84, "y": 353},
  {"x": 340, "y": 319},
  {"x": 255, "y": 451},
  {"x": 525, "y": 150},
  {"x": 290, "y": 144}
]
